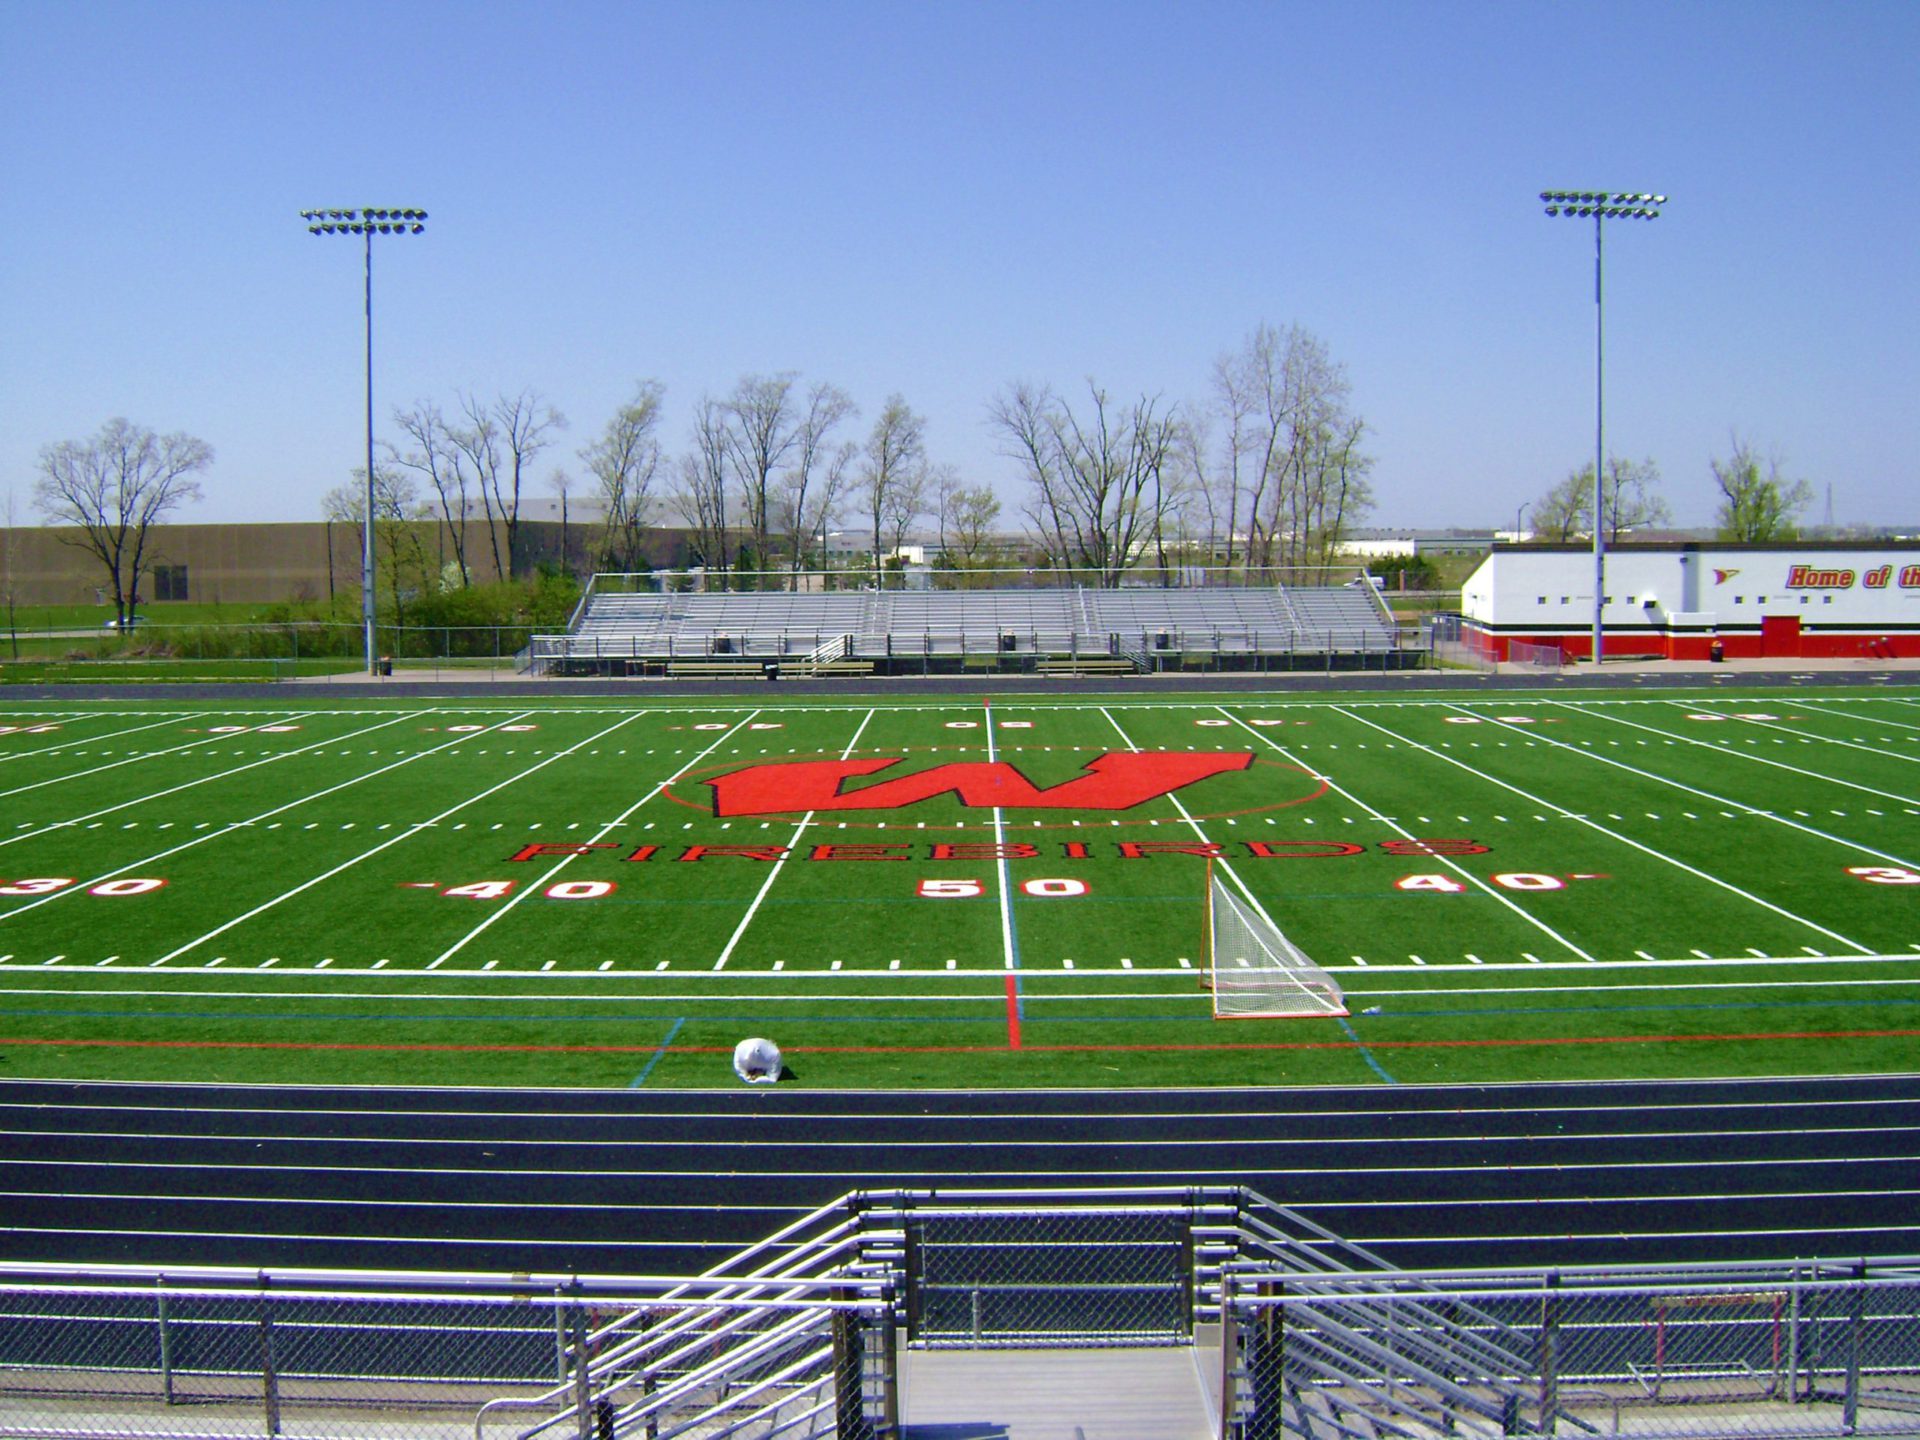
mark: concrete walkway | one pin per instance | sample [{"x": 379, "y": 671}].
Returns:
[{"x": 1155, "y": 1393}]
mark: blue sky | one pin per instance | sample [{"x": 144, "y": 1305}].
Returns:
[{"x": 938, "y": 199}]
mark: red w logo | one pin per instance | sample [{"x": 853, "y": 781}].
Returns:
[{"x": 1115, "y": 781}]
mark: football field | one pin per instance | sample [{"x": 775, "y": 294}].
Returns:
[{"x": 990, "y": 891}]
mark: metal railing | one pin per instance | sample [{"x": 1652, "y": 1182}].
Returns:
[{"x": 1303, "y": 1335}]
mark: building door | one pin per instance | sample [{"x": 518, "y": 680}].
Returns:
[{"x": 1780, "y": 636}]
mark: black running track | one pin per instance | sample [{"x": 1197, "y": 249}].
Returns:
[{"x": 616, "y": 1182}]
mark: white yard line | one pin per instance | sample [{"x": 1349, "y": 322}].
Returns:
[
  {"x": 407, "y": 834},
  {"x": 1803, "y": 735},
  {"x": 111, "y": 734},
  {"x": 1857, "y": 846},
  {"x": 209, "y": 779},
  {"x": 1465, "y": 874},
  {"x": 1003, "y": 872},
  {"x": 1842, "y": 715},
  {"x": 747, "y": 919},
  {"x": 152, "y": 754},
  {"x": 601, "y": 834},
  {"x": 1199, "y": 831},
  {"x": 232, "y": 826},
  {"x": 1595, "y": 825}
]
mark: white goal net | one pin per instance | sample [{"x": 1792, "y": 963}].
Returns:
[{"x": 1254, "y": 970}]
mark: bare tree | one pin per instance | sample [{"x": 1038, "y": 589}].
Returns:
[
  {"x": 890, "y": 469},
  {"x": 701, "y": 497},
  {"x": 1291, "y": 463},
  {"x": 625, "y": 462},
  {"x": 1096, "y": 478},
  {"x": 761, "y": 431},
  {"x": 112, "y": 489},
  {"x": 500, "y": 442},
  {"x": 814, "y": 481},
  {"x": 527, "y": 425},
  {"x": 1757, "y": 506},
  {"x": 437, "y": 455}
]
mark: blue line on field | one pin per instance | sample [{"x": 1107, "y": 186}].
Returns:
[
  {"x": 654, "y": 1059},
  {"x": 1366, "y": 1054}
]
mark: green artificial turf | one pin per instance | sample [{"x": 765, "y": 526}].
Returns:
[{"x": 540, "y": 892}]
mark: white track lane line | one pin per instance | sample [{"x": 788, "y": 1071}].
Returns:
[
  {"x": 1465, "y": 874},
  {"x": 601, "y": 834},
  {"x": 740, "y": 930},
  {"x": 59, "y": 825},
  {"x": 1595, "y": 825}
]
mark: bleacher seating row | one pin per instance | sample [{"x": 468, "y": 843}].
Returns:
[{"x": 1148, "y": 626}]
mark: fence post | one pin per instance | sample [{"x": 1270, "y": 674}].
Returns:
[
  {"x": 269, "y": 1380},
  {"x": 1229, "y": 1343},
  {"x": 1793, "y": 1337},
  {"x": 889, "y": 1361},
  {"x": 1549, "y": 1338},
  {"x": 166, "y": 1340},
  {"x": 1856, "y": 1323},
  {"x": 582, "y": 1382},
  {"x": 849, "y": 1365}
]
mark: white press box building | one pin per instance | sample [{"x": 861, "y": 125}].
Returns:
[{"x": 1681, "y": 600}]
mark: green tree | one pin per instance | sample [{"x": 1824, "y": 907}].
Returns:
[
  {"x": 1628, "y": 501},
  {"x": 1755, "y": 505}
]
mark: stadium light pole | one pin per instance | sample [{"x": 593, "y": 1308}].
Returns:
[
  {"x": 1602, "y": 206},
  {"x": 367, "y": 224}
]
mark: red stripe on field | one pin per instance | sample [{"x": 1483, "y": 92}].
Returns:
[
  {"x": 962, "y": 1049},
  {"x": 1013, "y": 1014}
]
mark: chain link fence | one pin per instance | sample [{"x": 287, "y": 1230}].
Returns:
[
  {"x": 1068, "y": 1275},
  {"x": 1295, "y": 1333},
  {"x": 1751, "y": 1354}
]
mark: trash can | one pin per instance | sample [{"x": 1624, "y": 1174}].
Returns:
[
  {"x": 770, "y": 669},
  {"x": 386, "y": 665},
  {"x": 1716, "y": 652}
]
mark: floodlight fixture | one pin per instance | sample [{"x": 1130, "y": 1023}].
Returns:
[
  {"x": 1600, "y": 207},
  {"x": 367, "y": 223}
]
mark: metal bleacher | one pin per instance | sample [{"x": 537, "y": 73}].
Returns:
[{"x": 1047, "y": 630}]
